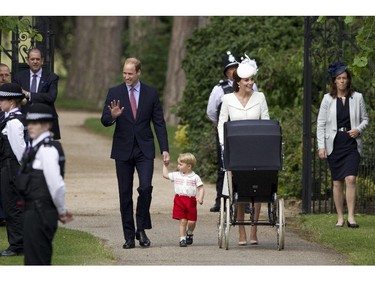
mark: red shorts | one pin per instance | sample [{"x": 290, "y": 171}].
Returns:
[{"x": 184, "y": 207}]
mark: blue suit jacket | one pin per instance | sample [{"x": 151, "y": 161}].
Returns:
[
  {"x": 127, "y": 129},
  {"x": 46, "y": 93}
]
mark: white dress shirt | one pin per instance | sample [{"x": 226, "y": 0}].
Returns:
[{"x": 38, "y": 77}]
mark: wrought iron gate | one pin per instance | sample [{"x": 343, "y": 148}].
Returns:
[
  {"x": 325, "y": 42},
  {"x": 15, "y": 45}
]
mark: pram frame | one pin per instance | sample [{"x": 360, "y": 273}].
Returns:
[{"x": 228, "y": 210}]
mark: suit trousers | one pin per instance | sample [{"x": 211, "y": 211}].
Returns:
[{"x": 125, "y": 176}]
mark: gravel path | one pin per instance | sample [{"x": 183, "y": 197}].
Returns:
[{"x": 93, "y": 198}]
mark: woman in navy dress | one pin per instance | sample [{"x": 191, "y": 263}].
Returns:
[{"x": 341, "y": 121}]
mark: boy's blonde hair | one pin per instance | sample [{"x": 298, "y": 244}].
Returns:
[{"x": 187, "y": 158}]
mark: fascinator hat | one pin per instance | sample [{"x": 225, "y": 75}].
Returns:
[
  {"x": 336, "y": 68},
  {"x": 247, "y": 68}
]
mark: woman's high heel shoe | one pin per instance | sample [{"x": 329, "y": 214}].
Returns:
[
  {"x": 340, "y": 225},
  {"x": 353, "y": 225}
]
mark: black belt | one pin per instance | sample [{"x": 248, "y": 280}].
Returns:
[{"x": 343, "y": 129}]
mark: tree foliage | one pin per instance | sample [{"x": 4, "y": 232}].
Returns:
[
  {"x": 363, "y": 62},
  {"x": 359, "y": 52},
  {"x": 151, "y": 48},
  {"x": 13, "y": 23}
]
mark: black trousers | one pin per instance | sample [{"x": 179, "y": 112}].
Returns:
[
  {"x": 40, "y": 227},
  {"x": 11, "y": 205},
  {"x": 125, "y": 176}
]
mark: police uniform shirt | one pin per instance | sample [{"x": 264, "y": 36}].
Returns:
[
  {"x": 14, "y": 129},
  {"x": 216, "y": 97},
  {"x": 47, "y": 159}
]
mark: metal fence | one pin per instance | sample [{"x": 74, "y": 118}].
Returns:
[
  {"x": 15, "y": 45},
  {"x": 326, "y": 42},
  {"x": 322, "y": 194}
]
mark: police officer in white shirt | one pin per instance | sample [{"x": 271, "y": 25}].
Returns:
[{"x": 42, "y": 186}]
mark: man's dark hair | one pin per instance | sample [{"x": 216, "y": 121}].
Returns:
[{"x": 35, "y": 50}]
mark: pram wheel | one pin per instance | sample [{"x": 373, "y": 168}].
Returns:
[
  {"x": 227, "y": 223},
  {"x": 220, "y": 223},
  {"x": 280, "y": 225}
]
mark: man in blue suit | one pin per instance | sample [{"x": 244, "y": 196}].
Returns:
[
  {"x": 132, "y": 106},
  {"x": 39, "y": 85}
]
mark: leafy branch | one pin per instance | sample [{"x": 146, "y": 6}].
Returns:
[{"x": 13, "y": 23}]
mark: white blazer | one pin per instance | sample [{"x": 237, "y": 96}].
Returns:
[
  {"x": 327, "y": 120},
  {"x": 232, "y": 109},
  {"x": 256, "y": 108}
]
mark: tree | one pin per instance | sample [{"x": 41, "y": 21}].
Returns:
[
  {"x": 147, "y": 38},
  {"x": 96, "y": 58},
  {"x": 182, "y": 29}
]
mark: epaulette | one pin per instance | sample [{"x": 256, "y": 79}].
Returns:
[{"x": 222, "y": 83}]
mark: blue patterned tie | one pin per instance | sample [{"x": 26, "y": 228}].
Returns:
[{"x": 33, "y": 84}]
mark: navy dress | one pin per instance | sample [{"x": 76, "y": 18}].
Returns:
[{"x": 344, "y": 159}]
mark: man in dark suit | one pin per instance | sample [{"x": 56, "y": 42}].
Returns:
[
  {"x": 39, "y": 85},
  {"x": 132, "y": 106}
]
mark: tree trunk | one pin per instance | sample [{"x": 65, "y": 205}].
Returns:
[
  {"x": 96, "y": 58},
  {"x": 183, "y": 27},
  {"x": 139, "y": 28}
]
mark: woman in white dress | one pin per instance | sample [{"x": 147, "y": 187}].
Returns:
[{"x": 243, "y": 103}]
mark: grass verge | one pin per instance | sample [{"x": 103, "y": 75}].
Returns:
[
  {"x": 70, "y": 247},
  {"x": 356, "y": 244}
]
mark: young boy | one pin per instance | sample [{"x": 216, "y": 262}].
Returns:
[
  {"x": 42, "y": 187},
  {"x": 12, "y": 145},
  {"x": 187, "y": 186}
]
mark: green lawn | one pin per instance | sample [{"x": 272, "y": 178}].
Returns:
[
  {"x": 70, "y": 247},
  {"x": 356, "y": 244}
]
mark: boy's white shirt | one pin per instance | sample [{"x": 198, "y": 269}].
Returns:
[{"x": 185, "y": 184}]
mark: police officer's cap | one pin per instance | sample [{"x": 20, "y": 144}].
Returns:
[
  {"x": 228, "y": 61},
  {"x": 11, "y": 91},
  {"x": 39, "y": 112}
]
